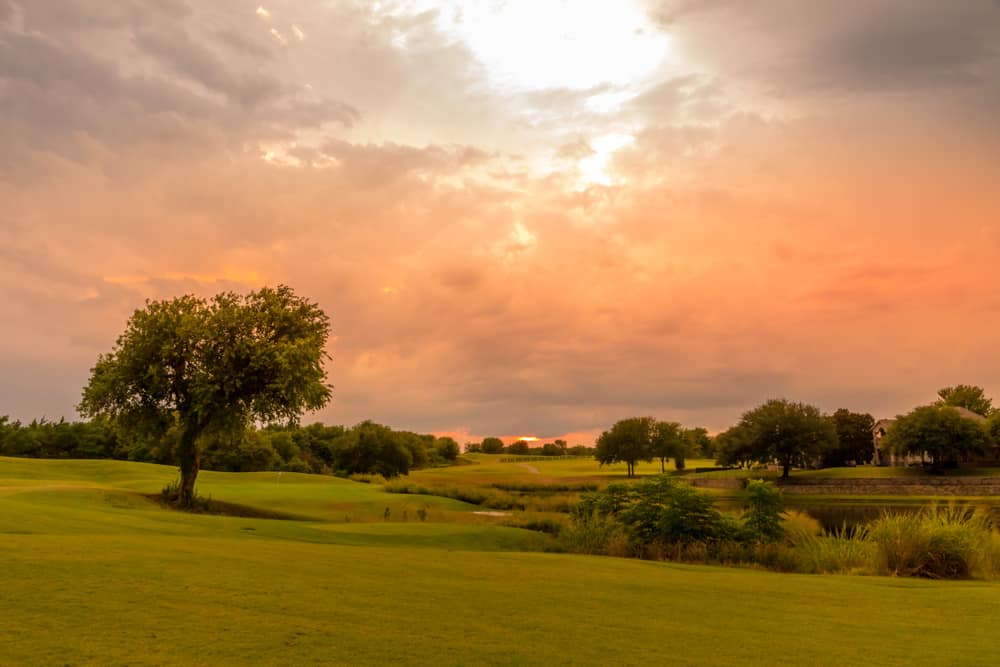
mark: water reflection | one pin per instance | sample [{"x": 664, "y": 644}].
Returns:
[{"x": 839, "y": 515}]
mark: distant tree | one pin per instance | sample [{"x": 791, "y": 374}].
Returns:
[
  {"x": 854, "y": 438},
  {"x": 667, "y": 442},
  {"x": 373, "y": 448},
  {"x": 250, "y": 452},
  {"x": 473, "y": 447},
  {"x": 734, "y": 447},
  {"x": 561, "y": 444},
  {"x": 211, "y": 367},
  {"x": 966, "y": 396},
  {"x": 446, "y": 448},
  {"x": 551, "y": 449},
  {"x": 492, "y": 446},
  {"x": 519, "y": 448},
  {"x": 793, "y": 434},
  {"x": 940, "y": 431},
  {"x": 628, "y": 441},
  {"x": 699, "y": 443}
]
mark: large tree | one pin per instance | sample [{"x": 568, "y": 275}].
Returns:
[
  {"x": 966, "y": 396},
  {"x": 940, "y": 431},
  {"x": 854, "y": 438},
  {"x": 211, "y": 367},
  {"x": 628, "y": 441},
  {"x": 793, "y": 434}
]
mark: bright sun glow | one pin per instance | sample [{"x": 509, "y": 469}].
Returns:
[
  {"x": 527, "y": 438},
  {"x": 535, "y": 44},
  {"x": 593, "y": 168}
]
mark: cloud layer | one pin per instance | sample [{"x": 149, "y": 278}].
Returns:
[{"x": 800, "y": 201}]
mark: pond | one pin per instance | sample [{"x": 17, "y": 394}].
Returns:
[{"x": 839, "y": 514}]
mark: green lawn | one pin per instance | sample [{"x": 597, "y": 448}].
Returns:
[{"x": 95, "y": 574}]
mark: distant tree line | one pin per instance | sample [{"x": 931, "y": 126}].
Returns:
[
  {"x": 792, "y": 434},
  {"x": 494, "y": 445},
  {"x": 366, "y": 448}
]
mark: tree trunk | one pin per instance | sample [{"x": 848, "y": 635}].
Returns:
[
  {"x": 189, "y": 457},
  {"x": 663, "y": 464},
  {"x": 786, "y": 467}
]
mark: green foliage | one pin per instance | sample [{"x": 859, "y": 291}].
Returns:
[
  {"x": 699, "y": 443},
  {"x": 842, "y": 552},
  {"x": 371, "y": 447},
  {"x": 211, "y": 367},
  {"x": 993, "y": 428},
  {"x": 366, "y": 448},
  {"x": 941, "y": 543},
  {"x": 519, "y": 448},
  {"x": 48, "y": 439},
  {"x": 763, "y": 510},
  {"x": 854, "y": 438},
  {"x": 939, "y": 430},
  {"x": 667, "y": 441},
  {"x": 658, "y": 511},
  {"x": 492, "y": 446},
  {"x": 594, "y": 534},
  {"x": 734, "y": 447},
  {"x": 690, "y": 517},
  {"x": 447, "y": 449},
  {"x": 793, "y": 434},
  {"x": 967, "y": 396},
  {"x": 628, "y": 441}
]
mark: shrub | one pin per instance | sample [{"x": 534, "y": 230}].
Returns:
[
  {"x": 940, "y": 543},
  {"x": 763, "y": 515},
  {"x": 366, "y": 478},
  {"x": 657, "y": 513},
  {"x": 845, "y": 551},
  {"x": 594, "y": 533},
  {"x": 798, "y": 525}
]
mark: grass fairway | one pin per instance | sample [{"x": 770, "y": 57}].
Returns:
[{"x": 95, "y": 574}]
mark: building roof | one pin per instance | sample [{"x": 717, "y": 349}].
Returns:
[{"x": 969, "y": 414}]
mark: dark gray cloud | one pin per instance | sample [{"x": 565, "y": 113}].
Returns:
[
  {"x": 881, "y": 46},
  {"x": 909, "y": 45}
]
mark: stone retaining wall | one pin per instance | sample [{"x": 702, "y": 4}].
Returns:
[{"x": 874, "y": 486}]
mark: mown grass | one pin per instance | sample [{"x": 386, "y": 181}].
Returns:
[{"x": 94, "y": 573}]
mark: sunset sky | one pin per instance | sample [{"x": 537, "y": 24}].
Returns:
[{"x": 522, "y": 216}]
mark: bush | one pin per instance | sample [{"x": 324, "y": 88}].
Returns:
[
  {"x": 596, "y": 534},
  {"x": 658, "y": 513},
  {"x": 941, "y": 543},
  {"x": 763, "y": 514},
  {"x": 843, "y": 552}
]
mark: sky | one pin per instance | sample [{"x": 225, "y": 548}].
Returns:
[{"x": 522, "y": 216}]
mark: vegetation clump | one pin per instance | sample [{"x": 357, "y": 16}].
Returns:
[{"x": 661, "y": 518}]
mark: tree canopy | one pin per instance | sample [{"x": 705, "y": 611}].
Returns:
[
  {"x": 211, "y": 367},
  {"x": 854, "y": 438},
  {"x": 966, "y": 396},
  {"x": 492, "y": 445},
  {"x": 628, "y": 441},
  {"x": 793, "y": 434},
  {"x": 939, "y": 430},
  {"x": 668, "y": 442}
]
